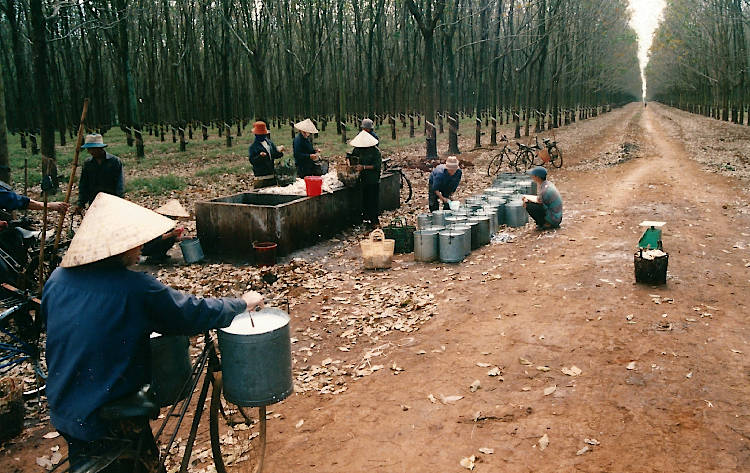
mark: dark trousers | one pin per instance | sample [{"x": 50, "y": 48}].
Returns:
[
  {"x": 140, "y": 439},
  {"x": 537, "y": 212},
  {"x": 435, "y": 203},
  {"x": 371, "y": 203},
  {"x": 158, "y": 247}
]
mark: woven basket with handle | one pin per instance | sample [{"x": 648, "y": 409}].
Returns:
[{"x": 377, "y": 250}]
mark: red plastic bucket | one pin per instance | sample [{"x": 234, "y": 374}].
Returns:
[
  {"x": 265, "y": 253},
  {"x": 314, "y": 185}
]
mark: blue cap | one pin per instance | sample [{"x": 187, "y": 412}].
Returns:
[{"x": 538, "y": 171}]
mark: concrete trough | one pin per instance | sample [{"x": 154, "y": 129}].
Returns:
[{"x": 228, "y": 226}]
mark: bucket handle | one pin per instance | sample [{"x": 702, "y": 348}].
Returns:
[{"x": 377, "y": 235}]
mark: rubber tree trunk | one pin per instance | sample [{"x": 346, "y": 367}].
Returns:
[{"x": 4, "y": 161}]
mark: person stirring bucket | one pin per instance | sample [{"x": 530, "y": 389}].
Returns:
[
  {"x": 156, "y": 250},
  {"x": 306, "y": 157},
  {"x": 369, "y": 160},
  {"x": 262, "y": 154},
  {"x": 99, "y": 318},
  {"x": 444, "y": 180},
  {"x": 102, "y": 172},
  {"x": 546, "y": 208}
]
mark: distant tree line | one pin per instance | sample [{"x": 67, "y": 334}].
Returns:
[
  {"x": 145, "y": 62},
  {"x": 699, "y": 58}
]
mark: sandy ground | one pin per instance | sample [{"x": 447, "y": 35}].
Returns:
[{"x": 663, "y": 383}]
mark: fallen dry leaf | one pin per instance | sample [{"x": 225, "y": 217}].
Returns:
[
  {"x": 550, "y": 390},
  {"x": 631, "y": 365},
  {"x": 468, "y": 462},
  {"x": 583, "y": 450},
  {"x": 51, "y": 435},
  {"x": 543, "y": 442},
  {"x": 299, "y": 424},
  {"x": 450, "y": 399},
  {"x": 475, "y": 385},
  {"x": 487, "y": 451},
  {"x": 572, "y": 371}
]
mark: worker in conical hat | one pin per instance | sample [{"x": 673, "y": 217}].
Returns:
[
  {"x": 368, "y": 159},
  {"x": 306, "y": 156},
  {"x": 99, "y": 318},
  {"x": 156, "y": 250}
]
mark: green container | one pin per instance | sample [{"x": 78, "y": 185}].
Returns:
[{"x": 402, "y": 234}]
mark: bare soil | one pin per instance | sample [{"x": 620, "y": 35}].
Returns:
[{"x": 664, "y": 374}]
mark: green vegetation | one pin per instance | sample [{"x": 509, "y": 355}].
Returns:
[{"x": 156, "y": 185}]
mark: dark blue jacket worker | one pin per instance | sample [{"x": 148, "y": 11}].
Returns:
[
  {"x": 263, "y": 151},
  {"x": 305, "y": 155},
  {"x": 444, "y": 180},
  {"x": 99, "y": 317},
  {"x": 102, "y": 172},
  {"x": 368, "y": 126}
]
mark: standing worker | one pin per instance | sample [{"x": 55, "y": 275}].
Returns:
[
  {"x": 547, "y": 208},
  {"x": 444, "y": 180},
  {"x": 305, "y": 155},
  {"x": 99, "y": 318},
  {"x": 102, "y": 172},
  {"x": 368, "y": 126},
  {"x": 262, "y": 154},
  {"x": 369, "y": 162}
]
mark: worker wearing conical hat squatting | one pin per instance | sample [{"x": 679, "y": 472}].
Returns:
[
  {"x": 99, "y": 318},
  {"x": 368, "y": 161},
  {"x": 305, "y": 155},
  {"x": 102, "y": 172},
  {"x": 443, "y": 182},
  {"x": 156, "y": 250}
]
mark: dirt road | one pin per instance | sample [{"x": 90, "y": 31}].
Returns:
[
  {"x": 664, "y": 374},
  {"x": 564, "y": 298}
]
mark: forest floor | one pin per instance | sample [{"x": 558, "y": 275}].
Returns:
[{"x": 418, "y": 368}]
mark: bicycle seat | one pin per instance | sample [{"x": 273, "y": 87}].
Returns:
[
  {"x": 27, "y": 234},
  {"x": 139, "y": 404},
  {"x": 545, "y": 141}
]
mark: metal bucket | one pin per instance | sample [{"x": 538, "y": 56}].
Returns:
[
  {"x": 451, "y": 246},
  {"x": 453, "y": 221},
  {"x": 482, "y": 229},
  {"x": 501, "y": 214},
  {"x": 191, "y": 250},
  {"x": 466, "y": 231},
  {"x": 426, "y": 245},
  {"x": 438, "y": 217},
  {"x": 474, "y": 234},
  {"x": 170, "y": 367},
  {"x": 424, "y": 221},
  {"x": 491, "y": 212},
  {"x": 257, "y": 361},
  {"x": 515, "y": 214}
]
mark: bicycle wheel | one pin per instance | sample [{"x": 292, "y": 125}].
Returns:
[
  {"x": 496, "y": 163},
  {"x": 529, "y": 158},
  {"x": 404, "y": 188},
  {"x": 244, "y": 443},
  {"x": 518, "y": 163},
  {"x": 556, "y": 157}
]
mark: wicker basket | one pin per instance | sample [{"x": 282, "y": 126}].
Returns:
[
  {"x": 347, "y": 175},
  {"x": 11, "y": 408},
  {"x": 377, "y": 251}
]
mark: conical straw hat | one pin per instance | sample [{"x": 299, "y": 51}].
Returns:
[
  {"x": 306, "y": 125},
  {"x": 173, "y": 208},
  {"x": 113, "y": 226},
  {"x": 364, "y": 140}
]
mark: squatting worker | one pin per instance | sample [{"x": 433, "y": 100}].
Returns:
[
  {"x": 305, "y": 155},
  {"x": 99, "y": 317},
  {"x": 547, "y": 211},
  {"x": 368, "y": 156},
  {"x": 444, "y": 180},
  {"x": 368, "y": 126},
  {"x": 102, "y": 172},
  {"x": 156, "y": 249},
  {"x": 263, "y": 152}
]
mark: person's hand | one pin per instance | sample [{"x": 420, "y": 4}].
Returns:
[
  {"x": 58, "y": 206},
  {"x": 263, "y": 154},
  {"x": 3, "y": 224},
  {"x": 524, "y": 199},
  {"x": 78, "y": 210},
  {"x": 280, "y": 149},
  {"x": 314, "y": 157},
  {"x": 253, "y": 300},
  {"x": 358, "y": 167},
  {"x": 177, "y": 232}
]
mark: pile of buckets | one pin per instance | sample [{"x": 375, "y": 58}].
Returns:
[{"x": 449, "y": 236}]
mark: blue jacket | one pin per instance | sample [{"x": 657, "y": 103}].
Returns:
[
  {"x": 98, "y": 325},
  {"x": 105, "y": 177},
  {"x": 9, "y": 200},
  {"x": 441, "y": 181},
  {"x": 303, "y": 148},
  {"x": 263, "y": 166}
]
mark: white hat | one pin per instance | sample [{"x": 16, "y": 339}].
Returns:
[
  {"x": 111, "y": 227},
  {"x": 173, "y": 208},
  {"x": 451, "y": 162},
  {"x": 306, "y": 125},
  {"x": 93, "y": 141},
  {"x": 364, "y": 140}
]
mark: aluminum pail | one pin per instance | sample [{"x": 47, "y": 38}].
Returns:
[
  {"x": 170, "y": 367},
  {"x": 426, "y": 245},
  {"x": 191, "y": 250},
  {"x": 424, "y": 221},
  {"x": 515, "y": 214},
  {"x": 438, "y": 217},
  {"x": 451, "y": 246},
  {"x": 256, "y": 361},
  {"x": 465, "y": 229},
  {"x": 483, "y": 229}
]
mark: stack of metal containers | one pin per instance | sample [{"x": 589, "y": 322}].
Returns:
[{"x": 450, "y": 236}]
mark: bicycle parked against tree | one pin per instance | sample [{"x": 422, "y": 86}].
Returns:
[
  {"x": 536, "y": 155},
  {"x": 404, "y": 182},
  {"x": 505, "y": 155}
]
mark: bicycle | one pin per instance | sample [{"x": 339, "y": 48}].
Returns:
[
  {"x": 555, "y": 155},
  {"x": 404, "y": 182},
  {"x": 140, "y": 406},
  {"x": 525, "y": 156},
  {"x": 504, "y": 155}
]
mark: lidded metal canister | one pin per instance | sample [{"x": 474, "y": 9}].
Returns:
[
  {"x": 515, "y": 214},
  {"x": 426, "y": 244},
  {"x": 451, "y": 246}
]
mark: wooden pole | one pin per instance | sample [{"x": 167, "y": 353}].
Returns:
[{"x": 74, "y": 166}]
